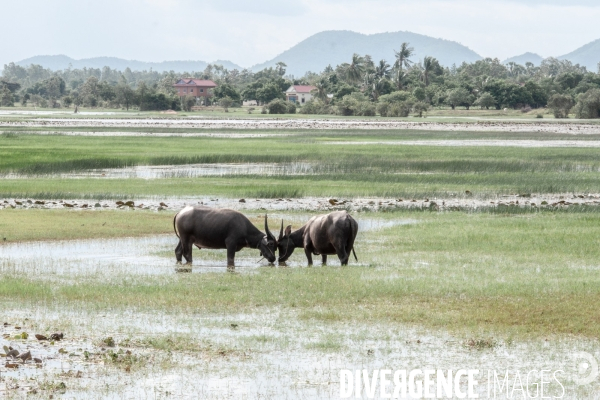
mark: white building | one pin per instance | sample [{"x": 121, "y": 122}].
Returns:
[{"x": 299, "y": 93}]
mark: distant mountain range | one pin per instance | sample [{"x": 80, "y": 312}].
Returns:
[
  {"x": 328, "y": 48},
  {"x": 336, "y": 47},
  {"x": 587, "y": 55},
  {"x": 533, "y": 58},
  {"x": 63, "y": 62}
]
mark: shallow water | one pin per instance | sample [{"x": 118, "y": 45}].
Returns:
[
  {"x": 182, "y": 171},
  {"x": 152, "y": 255},
  {"x": 271, "y": 354}
]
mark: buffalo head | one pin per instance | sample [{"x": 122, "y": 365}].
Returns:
[
  {"x": 268, "y": 244},
  {"x": 285, "y": 245}
]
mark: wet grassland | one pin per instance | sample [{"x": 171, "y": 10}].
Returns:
[{"x": 492, "y": 287}]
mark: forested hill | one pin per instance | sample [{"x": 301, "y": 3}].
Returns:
[
  {"x": 336, "y": 47},
  {"x": 523, "y": 59},
  {"x": 587, "y": 56},
  {"x": 62, "y": 62}
]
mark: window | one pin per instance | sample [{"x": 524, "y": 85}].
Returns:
[
  {"x": 201, "y": 90},
  {"x": 191, "y": 90},
  {"x": 184, "y": 90}
]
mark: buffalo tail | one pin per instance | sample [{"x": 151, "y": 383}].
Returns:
[
  {"x": 175, "y": 229},
  {"x": 352, "y": 234}
]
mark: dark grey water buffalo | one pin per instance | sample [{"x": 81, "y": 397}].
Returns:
[
  {"x": 215, "y": 228},
  {"x": 333, "y": 233}
]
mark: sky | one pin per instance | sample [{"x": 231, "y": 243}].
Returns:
[{"x": 248, "y": 32}]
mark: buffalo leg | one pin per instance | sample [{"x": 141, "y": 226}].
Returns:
[
  {"x": 230, "y": 256},
  {"x": 179, "y": 252},
  {"x": 308, "y": 252},
  {"x": 186, "y": 243},
  {"x": 342, "y": 254},
  {"x": 324, "y": 258}
]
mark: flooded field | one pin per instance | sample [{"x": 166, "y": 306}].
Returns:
[
  {"x": 182, "y": 171},
  {"x": 154, "y": 255},
  {"x": 479, "y": 143},
  {"x": 468, "y": 258},
  {"x": 270, "y": 354}
]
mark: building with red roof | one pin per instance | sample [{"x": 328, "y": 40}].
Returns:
[
  {"x": 201, "y": 89},
  {"x": 299, "y": 93}
]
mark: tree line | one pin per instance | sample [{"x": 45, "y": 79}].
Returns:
[{"x": 360, "y": 86}]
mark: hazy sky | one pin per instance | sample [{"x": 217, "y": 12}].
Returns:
[{"x": 252, "y": 31}]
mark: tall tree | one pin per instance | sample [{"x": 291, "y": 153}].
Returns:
[
  {"x": 382, "y": 70},
  {"x": 355, "y": 70},
  {"x": 402, "y": 60}
]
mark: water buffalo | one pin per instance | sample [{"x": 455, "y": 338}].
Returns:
[
  {"x": 214, "y": 228},
  {"x": 333, "y": 233}
]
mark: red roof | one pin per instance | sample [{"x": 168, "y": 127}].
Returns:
[
  {"x": 195, "y": 82},
  {"x": 302, "y": 88}
]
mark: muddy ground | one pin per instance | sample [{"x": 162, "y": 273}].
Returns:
[
  {"x": 574, "y": 128},
  {"x": 319, "y": 203}
]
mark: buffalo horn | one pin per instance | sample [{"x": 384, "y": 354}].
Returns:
[{"x": 267, "y": 231}]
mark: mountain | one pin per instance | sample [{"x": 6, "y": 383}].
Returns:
[
  {"x": 533, "y": 58},
  {"x": 587, "y": 55},
  {"x": 336, "y": 47},
  {"x": 63, "y": 62}
]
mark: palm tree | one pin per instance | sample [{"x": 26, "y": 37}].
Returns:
[
  {"x": 402, "y": 60},
  {"x": 354, "y": 71},
  {"x": 382, "y": 70},
  {"x": 427, "y": 68},
  {"x": 320, "y": 91}
]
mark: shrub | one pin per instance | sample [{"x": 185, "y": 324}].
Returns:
[
  {"x": 486, "y": 100},
  {"x": 588, "y": 104},
  {"x": 355, "y": 104},
  {"x": 560, "y": 104},
  {"x": 315, "y": 106},
  {"x": 226, "y": 102},
  {"x": 525, "y": 109},
  {"x": 278, "y": 106},
  {"x": 291, "y": 107},
  {"x": 187, "y": 103},
  {"x": 420, "y": 107}
]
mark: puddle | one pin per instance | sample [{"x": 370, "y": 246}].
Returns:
[
  {"x": 152, "y": 255},
  {"x": 479, "y": 143},
  {"x": 270, "y": 354},
  {"x": 182, "y": 171},
  {"x": 109, "y": 257}
]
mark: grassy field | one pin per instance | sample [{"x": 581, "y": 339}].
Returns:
[
  {"x": 521, "y": 275},
  {"x": 476, "y": 287},
  {"x": 337, "y": 170}
]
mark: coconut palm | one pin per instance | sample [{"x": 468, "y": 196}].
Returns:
[
  {"x": 355, "y": 70},
  {"x": 382, "y": 70},
  {"x": 426, "y": 69},
  {"x": 402, "y": 60},
  {"x": 320, "y": 91}
]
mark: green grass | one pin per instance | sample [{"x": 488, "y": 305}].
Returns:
[
  {"x": 29, "y": 225},
  {"x": 338, "y": 170},
  {"x": 483, "y": 274}
]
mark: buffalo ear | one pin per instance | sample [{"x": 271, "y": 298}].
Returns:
[
  {"x": 288, "y": 230},
  {"x": 267, "y": 231},
  {"x": 281, "y": 231}
]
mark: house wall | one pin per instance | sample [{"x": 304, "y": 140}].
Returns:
[
  {"x": 300, "y": 97},
  {"x": 198, "y": 91}
]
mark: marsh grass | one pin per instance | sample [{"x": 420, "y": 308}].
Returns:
[
  {"x": 28, "y": 225},
  {"x": 481, "y": 274},
  {"x": 341, "y": 170},
  {"x": 276, "y": 193},
  {"x": 9, "y": 135}
]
